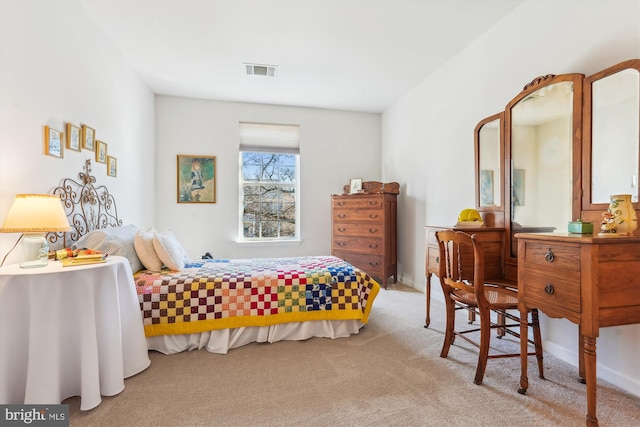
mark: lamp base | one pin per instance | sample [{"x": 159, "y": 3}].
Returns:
[{"x": 36, "y": 251}]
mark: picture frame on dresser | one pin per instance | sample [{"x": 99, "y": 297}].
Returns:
[{"x": 355, "y": 185}]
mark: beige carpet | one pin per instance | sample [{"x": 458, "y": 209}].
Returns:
[{"x": 390, "y": 374}]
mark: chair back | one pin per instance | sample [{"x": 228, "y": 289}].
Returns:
[{"x": 461, "y": 263}]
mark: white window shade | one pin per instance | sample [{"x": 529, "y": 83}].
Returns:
[{"x": 269, "y": 137}]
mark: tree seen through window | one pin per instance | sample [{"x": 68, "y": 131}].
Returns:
[{"x": 269, "y": 195}]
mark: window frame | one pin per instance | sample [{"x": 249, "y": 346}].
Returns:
[{"x": 241, "y": 201}]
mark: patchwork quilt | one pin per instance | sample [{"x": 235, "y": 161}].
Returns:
[{"x": 234, "y": 293}]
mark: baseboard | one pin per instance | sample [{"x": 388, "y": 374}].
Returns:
[{"x": 624, "y": 382}]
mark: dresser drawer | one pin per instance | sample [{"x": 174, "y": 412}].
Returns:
[
  {"x": 366, "y": 245},
  {"x": 432, "y": 239},
  {"x": 368, "y": 215},
  {"x": 555, "y": 290},
  {"x": 564, "y": 257},
  {"x": 433, "y": 260},
  {"x": 357, "y": 202},
  {"x": 370, "y": 264},
  {"x": 357, "y": 229}
]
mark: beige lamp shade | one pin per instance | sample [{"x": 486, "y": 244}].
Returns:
[{"x": 36, "y": 213}]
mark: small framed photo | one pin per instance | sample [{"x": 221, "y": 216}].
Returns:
[
  {"x": 88, "y": 136},
  {"x": 355, "y": 186},
  {"x": 53, "y": 142},
  {"x": 73, "y": 137},
  {"x": 112, "y": 166},
  {"x": 196, "y": 179},
  {"x": 101, "y": 152}
]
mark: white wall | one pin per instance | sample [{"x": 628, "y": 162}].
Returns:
[
  {"x": 430, "y": 130},
  {"x": 56, "y": 68},
  {"x": 334, "y": 147}
]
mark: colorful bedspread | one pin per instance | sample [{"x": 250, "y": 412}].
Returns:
[{"x": 220, "y": 294}]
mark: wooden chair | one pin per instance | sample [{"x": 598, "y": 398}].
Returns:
[{"x": 463, "y": 285}]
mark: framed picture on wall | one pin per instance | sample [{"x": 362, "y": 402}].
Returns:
[
  {"x": 196, "y": 179},
  {"x": 53, "y": 142},
  {"x": 88, "y": 136},
  {"x": 101, "y": 152},
  {"x": 73, "y": 137},
  {"x": 112, "y": 166}
]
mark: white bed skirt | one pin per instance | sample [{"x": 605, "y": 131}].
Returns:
[{"x": 220, "y": 341}]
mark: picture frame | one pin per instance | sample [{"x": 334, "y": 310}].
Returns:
[
  {"x": 88, "y": 137},
  {"x": 112, "y": 166},
  {"x": 355, "y": 186},
  {"x": 101, "y": 152},
  {"x": 53, "y": 145},
  {"x": 196, "y": 179},
  {"x": 73, "y": 137}
]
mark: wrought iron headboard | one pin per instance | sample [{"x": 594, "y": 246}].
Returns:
[{"x": 87, "y": 206}]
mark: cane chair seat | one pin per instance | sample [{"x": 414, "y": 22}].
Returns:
[{"x": 498, "y": 297}]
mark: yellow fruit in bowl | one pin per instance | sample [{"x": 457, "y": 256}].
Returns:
[{"x": 467, "y": 215}]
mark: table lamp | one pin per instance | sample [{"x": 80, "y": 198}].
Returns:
[{"x": 34, "y": 215}]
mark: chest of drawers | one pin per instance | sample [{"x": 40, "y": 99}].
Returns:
[
  {"x": 590, "y": 280},
  {"x": 364, "y": 232}
]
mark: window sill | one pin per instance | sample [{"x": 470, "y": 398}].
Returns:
[{"x": 292, "y": 242}]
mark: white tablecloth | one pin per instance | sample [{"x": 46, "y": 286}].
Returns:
[{"x": 69, "y": 331}]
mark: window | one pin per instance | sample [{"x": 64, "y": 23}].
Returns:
[{"x": 269, "y": 192}]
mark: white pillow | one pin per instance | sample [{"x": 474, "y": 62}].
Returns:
[
  {"x": 143, "y": 244},
  {"x": 170, "y": 251},
  {"x": 113, "y": 241}
]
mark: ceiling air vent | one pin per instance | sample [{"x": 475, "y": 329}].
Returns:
[{"x": 260, "y": 70}]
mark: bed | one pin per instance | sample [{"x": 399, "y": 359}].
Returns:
[{"x": 217, "y": 304}]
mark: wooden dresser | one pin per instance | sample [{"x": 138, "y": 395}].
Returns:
[
  {"x": 590, "y": 280},
  {"x": 364, "y": 229}
]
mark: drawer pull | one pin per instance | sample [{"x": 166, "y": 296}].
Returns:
[
  {"x": 373, "y": 263},
  {"x": 549, "y": 256},
  {"x": 549, "y": 289},
  {"x": 438, "y": 259},
  {"x": 373, "y": 246},
  {"x": 373, "y": 230},
  {"x": 341, "y": 215},
  {"x": 373, "y": 202},
  {"x": 341, "y": 244},
  {"x": 340, "y": 203},
  {"x": 373, "y": 216},
  {"x": 342, "y": 229}
]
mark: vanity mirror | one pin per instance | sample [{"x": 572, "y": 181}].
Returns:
[
  {"x": 543, "y": 129},
  {"x": 489, "y": 155},
  {"x": 612, "y": 136}
]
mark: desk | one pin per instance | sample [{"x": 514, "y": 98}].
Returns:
[
  {"x": 69, "y": 331},
  {"x": 591, "y": 281}
]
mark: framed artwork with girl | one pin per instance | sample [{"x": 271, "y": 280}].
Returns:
[{"x": 196, "y": 179}]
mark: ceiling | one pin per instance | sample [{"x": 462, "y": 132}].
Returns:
[{"x": 359, "y": 55}]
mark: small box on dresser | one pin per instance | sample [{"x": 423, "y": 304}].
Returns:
[{"x": 364, "y": 229}]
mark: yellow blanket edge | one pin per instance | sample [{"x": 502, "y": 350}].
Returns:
[{"x": 268, "y": 320}]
